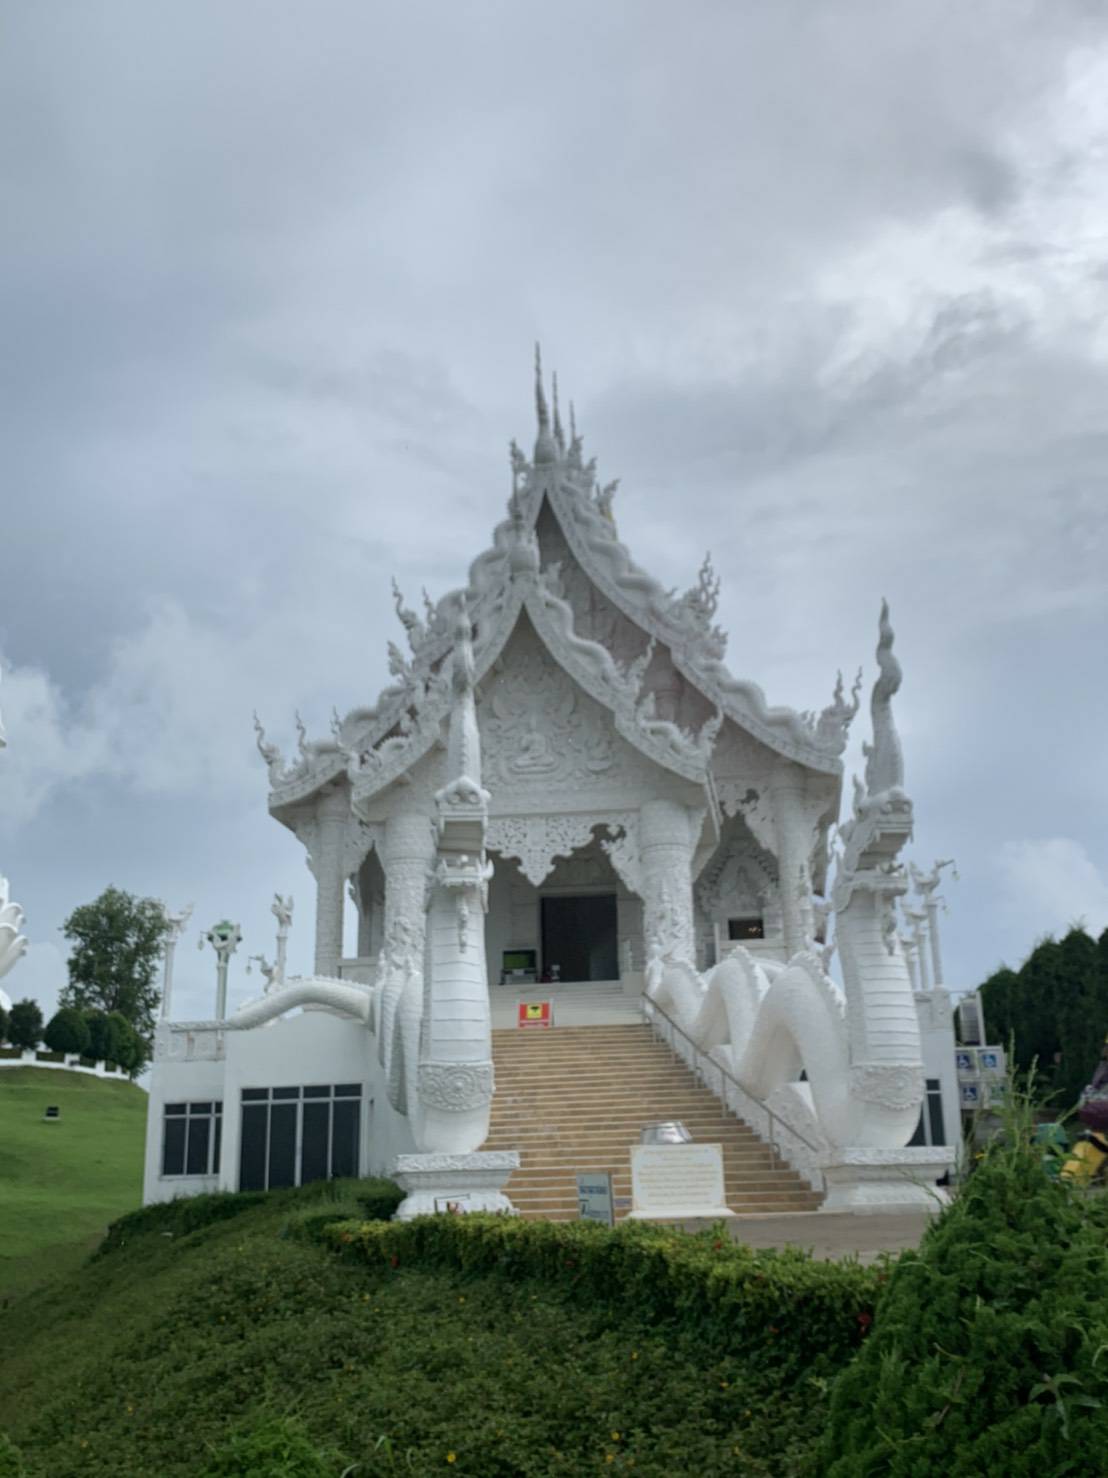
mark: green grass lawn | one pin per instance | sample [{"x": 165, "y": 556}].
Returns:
[{"x": 61, "y": 1183}]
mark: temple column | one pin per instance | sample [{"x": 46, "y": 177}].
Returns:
[
  {"x": 331, "y": 818},
  {"x": 793, "y": 846},
  {"x": 665, "y": 860},
  {"x": 407, "y": 855}
]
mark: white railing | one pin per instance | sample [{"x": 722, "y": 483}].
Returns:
[{"x": 786, "y": 1143}]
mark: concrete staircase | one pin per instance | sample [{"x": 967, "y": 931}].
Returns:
[{"x": 574, "y": 1098}]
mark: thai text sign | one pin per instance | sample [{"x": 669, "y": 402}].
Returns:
[
  {"x": 594, "y": 1196},
  {"x": 672, "y": 1182},
  {"x": 535, "y": 1013}
]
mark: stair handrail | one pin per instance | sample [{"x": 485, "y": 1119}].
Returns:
[{"x": 651, "y": 1011}]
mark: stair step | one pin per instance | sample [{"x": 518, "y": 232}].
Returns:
[{"x": 575, "y": 1098}]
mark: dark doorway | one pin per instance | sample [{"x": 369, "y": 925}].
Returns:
[{"x": 580, "y": 935}]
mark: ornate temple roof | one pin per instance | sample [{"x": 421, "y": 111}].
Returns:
[{"x": 377, "y": 744}]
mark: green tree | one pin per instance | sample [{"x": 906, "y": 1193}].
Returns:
[
  {"x": 3, "y": 1025},
  {"x": 129, "y": 1050},
  {"x": 105, "y": 1041},
  {"x": 117, "y": 943},
  {"x": 25, "y": 1024},
  {"x": 67, "y": 1031}
]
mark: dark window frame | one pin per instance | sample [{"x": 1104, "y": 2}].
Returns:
[
  {"x": 332, "y": 1096},
  {"x": 207, "y": 1113}
]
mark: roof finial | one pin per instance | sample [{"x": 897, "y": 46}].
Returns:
[
  {"x": 559, "y": 434},
  {"x": 884, "y": 760},
  {"x": 545, "y": 450}
]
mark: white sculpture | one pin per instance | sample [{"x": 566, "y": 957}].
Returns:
[
  {"x": 13, "y": 944},
  {"x": 926, "y": 886},
  {"x": 860, "y": 1049}
]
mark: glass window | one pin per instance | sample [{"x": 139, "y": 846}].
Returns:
[
  {"x": 282, "y": 1144},
  {"x": 344, "y": 1139},
  {"x": 253, "y": 1149},
  {"x": 315, "y": 1153},
  {"x": 291, "y": 1136},
  {"x": 173, "y": 1147},
  {"x": 190, "y": 1146},
  {"x": 750, "y": 928}
]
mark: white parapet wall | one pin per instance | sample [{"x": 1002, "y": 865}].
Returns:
[{"x": 70, "y": 1062}]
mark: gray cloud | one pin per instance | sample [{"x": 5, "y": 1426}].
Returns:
[{"x": 825, "y": 283}]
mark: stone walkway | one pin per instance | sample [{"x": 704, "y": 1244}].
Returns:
[{"x": 831, "y": 1234}]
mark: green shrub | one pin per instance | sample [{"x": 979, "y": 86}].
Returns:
[
  {"x": 179, "y": 1217},
  {"x": 985, "y": 1352},
  {"x": 187, "y": 1214},
  {"x": 782, "y": 1310},
  {"x": 25, "y": 1024},
  {"x": 11, "y": 1463},
  {"x": 272, "y": 1447},
  {"x": 67, "y": 1031}
]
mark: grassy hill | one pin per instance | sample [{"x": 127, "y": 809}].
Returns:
[
  {"x": 196, "y": 1348},
  {"x": 62, "y": 1183}
]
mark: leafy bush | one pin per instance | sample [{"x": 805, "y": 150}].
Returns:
[
  {"x": 179, "y": 1217},
  {"x": 783, "y": 1310},
  {"x": 11, "y": 1463},
  {"x": 25, "y": 1024},
  {"x": 272, "y": 1447},
  {"x": 187, "y": 1214},
  {"x": 67, "y": 1031},
  {"x": 985, "y": 1351}
]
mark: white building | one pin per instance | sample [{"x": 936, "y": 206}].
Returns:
[{"x": 565, "y": 783}]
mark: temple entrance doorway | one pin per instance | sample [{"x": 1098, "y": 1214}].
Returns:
[{"x": 580, "y": 935}]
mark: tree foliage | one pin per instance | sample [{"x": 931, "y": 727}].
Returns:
[
  {"x": 1054, "y": 1009},
  {"x": 117, "y": 942},
  {"x": 25, "y": 1024},
  {"x": 986, "y": 1350},
  {"x": 3, "y": 1025},
  {"x": 67, "y": 1031}
]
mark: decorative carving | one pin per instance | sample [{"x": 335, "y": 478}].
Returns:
[
  {"x": 622, "y": 850},
  {"x": 535, "y": 841},
  {"x": 455, "y": 1087},
  {"x": 895, "y": 1086}
]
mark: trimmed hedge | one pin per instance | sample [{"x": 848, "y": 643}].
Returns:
[
  {"x": 185, "y": 1214},
  {"x": 782, "y": 1310}
]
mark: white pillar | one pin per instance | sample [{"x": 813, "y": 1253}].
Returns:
[
  {"x": 176, "y": 923},
  {"x": 908, "y": 945},
  {"x": 331, "y": 816},
  {"x": 665, "y": 853},
  {"x": 932, "y": 907},
  {"x": 787, "y": 791},
  {"x": 918, "y": 920},
  {"x": 407, "y": 855}
]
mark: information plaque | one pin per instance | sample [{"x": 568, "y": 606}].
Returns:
[{"x": 677, "y": 1182}]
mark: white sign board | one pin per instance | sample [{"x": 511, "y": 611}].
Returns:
[
  {"x": 594, "y": 1196},
  {"x": 676, "y": 1182}
]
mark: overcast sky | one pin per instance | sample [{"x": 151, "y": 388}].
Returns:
[{"x": 827, "y": 282}]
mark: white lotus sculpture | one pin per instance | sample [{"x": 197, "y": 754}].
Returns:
[{"x": 13, "y": 944}]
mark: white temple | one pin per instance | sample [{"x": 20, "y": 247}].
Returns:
[{"x": 564, "y": 783}]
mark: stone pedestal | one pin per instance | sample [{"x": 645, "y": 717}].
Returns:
[
  {"x": 865, "y": 1180},
  {"x": 444, "y": 1183}
]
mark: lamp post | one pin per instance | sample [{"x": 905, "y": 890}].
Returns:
[{"x": 224, "y": 938}]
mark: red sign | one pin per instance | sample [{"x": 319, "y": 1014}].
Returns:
[{"x": 534, "y": 1013}]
